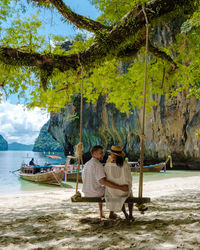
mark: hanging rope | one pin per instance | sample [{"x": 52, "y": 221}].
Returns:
[
  {"x": 142, "y": 136},
  {"x": 79, "y": 146}
]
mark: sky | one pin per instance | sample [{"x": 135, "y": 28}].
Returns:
[{"x": 16, "y": 123}]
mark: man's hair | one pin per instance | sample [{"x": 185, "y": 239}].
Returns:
[{"x": 95, "y": 148}]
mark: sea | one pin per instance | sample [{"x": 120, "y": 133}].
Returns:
[
  {"x": 10, "y": 161},
  {"x": 11, "y": 183}
]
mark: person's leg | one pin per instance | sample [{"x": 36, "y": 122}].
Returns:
[
  {"x": 130, "y": 208},
  {"x": 113, "y": 215},
  {"x": 124, "y": 211},
  {"x": 101, "y": 210}
]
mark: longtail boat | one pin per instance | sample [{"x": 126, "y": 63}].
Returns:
[
  {"x": 135, "y": 167},
  {"x": 41, "y": 174},
  {"x": 70, "y": 170},
  {"x": 149, "y": 168}
]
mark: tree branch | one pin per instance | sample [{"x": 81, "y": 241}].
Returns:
[
  {"x": 161, "y": 54},
  {"x": 47, "y": 62},
  {"x": 80, "y": 21},
  {"x": 132, "y": 49},
  {"x": 108, "y": 44}
]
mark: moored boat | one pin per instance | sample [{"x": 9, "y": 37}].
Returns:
[
  {"x": 70, "y": 170},
  {"x": 150, "y": 168},
  {"x": 135, "y": 166},
  {"x": 41, "y": 174}
]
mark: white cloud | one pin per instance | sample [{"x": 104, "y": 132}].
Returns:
[{"x": 17, "y": 124}]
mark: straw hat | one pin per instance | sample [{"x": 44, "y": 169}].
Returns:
[{"x": 117, "y": 150}]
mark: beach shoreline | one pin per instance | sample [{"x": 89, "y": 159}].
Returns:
[{"x": 48, "y": 220}]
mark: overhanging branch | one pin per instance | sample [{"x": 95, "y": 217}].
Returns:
[
  {"x": 80, "y": 21},
  {"x": 47, "y": 62},
  {"x": 108, "y": 44},
  {"x": 161, "y": 54}
]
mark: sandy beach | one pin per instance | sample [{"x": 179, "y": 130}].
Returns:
[{"x": 48, "y": 220}]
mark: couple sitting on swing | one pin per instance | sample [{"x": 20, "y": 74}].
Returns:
[{"x": 113, "y": 181}]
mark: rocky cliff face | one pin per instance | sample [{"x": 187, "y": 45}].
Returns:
[
  {"x": 170, "y": 128},
  {"x": 3, "y": 144},
  {"x": 102, "y": 124}
]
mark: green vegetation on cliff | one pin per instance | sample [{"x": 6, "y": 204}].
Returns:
[
  {"x": 3, "y": 144},
  {"x": 45, "y": 142}
]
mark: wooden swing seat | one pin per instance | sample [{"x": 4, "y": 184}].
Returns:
[{"x": 99, "y": 199}]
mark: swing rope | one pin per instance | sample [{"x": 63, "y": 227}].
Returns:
[
  {"x": 142, "y": 136},
  {"x": 79, "y": 146}
]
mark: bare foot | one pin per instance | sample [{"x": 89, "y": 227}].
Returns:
[
  {"x": 126, "y": 216},
  {"x": 130, "y": 217},
  {"x": 113, "y": 215},
  {"x": 102, "y": 216}
]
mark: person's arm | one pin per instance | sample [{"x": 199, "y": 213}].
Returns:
[{"x": 107, "y": 183}]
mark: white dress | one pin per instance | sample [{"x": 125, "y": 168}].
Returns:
[{"x": 119, "y": 175}]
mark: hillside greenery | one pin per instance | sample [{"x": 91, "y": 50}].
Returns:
[{"x": 45, "y": 142}]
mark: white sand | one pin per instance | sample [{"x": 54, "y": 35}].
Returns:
[{"x": 48, "y": 220}]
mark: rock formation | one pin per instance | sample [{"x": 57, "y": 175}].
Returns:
[{"x": 171, "y": 128}]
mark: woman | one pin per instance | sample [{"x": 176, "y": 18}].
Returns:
[{"x": 118, "y": 171}]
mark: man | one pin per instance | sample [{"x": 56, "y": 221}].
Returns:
[
  {"x": 31, "y": 163},
  {"x": 94, "y": 178}
]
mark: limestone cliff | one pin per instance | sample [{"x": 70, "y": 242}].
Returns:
[
  {"x": 102, "y": 124},
  {"x": 170, "y": 129}
]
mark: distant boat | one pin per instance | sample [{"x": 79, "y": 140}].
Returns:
[
  {"x": 135, "y": 167},
  {"x": 41, "y": 174},
  {"x": 54, "y": 157},
  {"x": 73, "y": 175},
  {"x": 70, "y": 173},
  {"x": 150, "y": 168},
  {"x": 70, "y": 170}
]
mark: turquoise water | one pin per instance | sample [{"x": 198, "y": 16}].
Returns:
[
  {"x": 11, "y": 183},
  {"x": 11, "y": 160},
  {"x": 153, "y": 176}
]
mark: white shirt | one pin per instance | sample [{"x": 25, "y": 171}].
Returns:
[
  {"x": 93, "y": 171},
  {"x": 119, "y": 175}
]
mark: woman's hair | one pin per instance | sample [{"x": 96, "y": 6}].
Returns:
[{"x": 119, "y": 161}]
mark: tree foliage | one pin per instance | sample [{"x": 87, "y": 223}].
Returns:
[{"x": 51, "y": 74}]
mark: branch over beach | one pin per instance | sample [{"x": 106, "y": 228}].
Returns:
[{"x": 108, "y": 43}]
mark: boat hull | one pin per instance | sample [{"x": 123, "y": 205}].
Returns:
[
  {"x": 51, "y": 177},
  {"x": 156, "y": 168},
  {"x": 70, "y": 172},
  {"x": 73, "y": 176}
]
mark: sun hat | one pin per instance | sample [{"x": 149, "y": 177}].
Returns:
[{"x": 117, "y": 150}]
